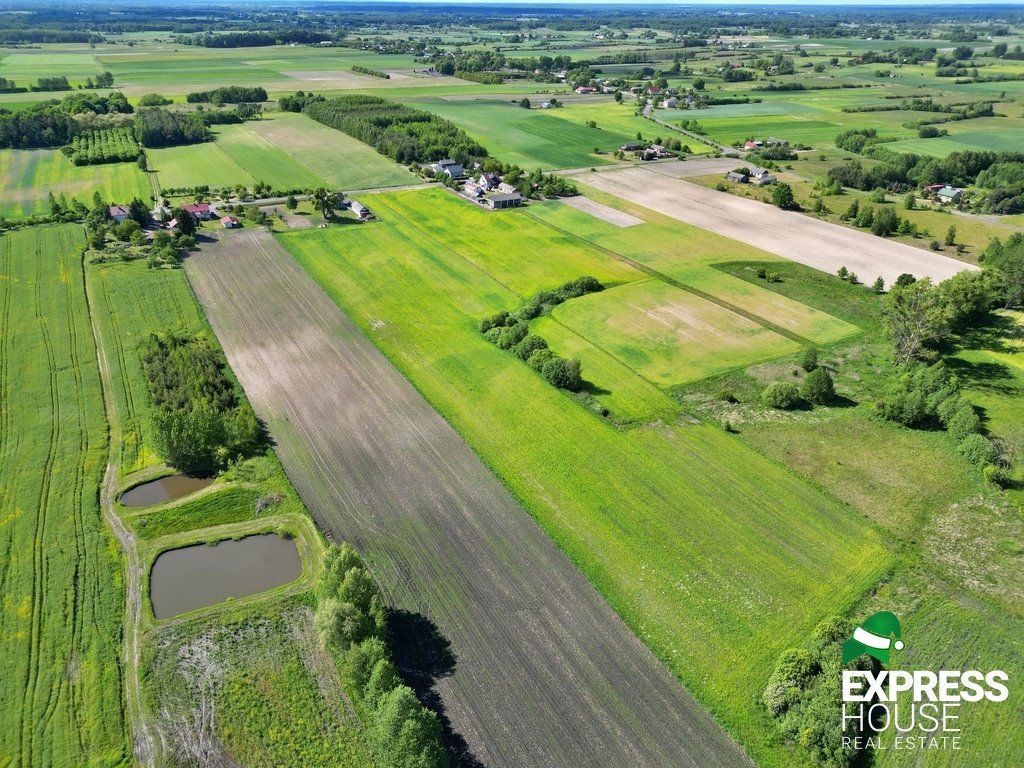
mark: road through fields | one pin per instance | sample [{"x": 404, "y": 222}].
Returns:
[
  {"x": 818, "y": 244},
  {"x": 545, "y": 673}
]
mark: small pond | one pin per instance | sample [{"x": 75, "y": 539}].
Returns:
[
  {"x": 194, "y": 577},
  {"x": 163, "y": 489}
]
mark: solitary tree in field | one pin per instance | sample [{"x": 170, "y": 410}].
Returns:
[
  {"x": 951, "y": 235},
  {"x": 525, "y": 103},
  {"x": 782, "y": 196},
  {"x": 324, "y": 201}
]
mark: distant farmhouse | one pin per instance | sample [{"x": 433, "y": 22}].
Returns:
[{"x": 449, "y": 168}]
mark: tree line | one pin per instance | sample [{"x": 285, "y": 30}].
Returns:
[
  {"x": 200, "y": 424},
  {"x": 229, "y": 94},
  {"x": 352, "y": 624}
]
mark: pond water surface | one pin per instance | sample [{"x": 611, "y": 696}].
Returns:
[
  {"x": 194, "y": 577},
  {"x": 163, "y": 489}
]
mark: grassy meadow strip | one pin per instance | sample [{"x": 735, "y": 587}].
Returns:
[
  {"x": 716, "y": 557},
  {"x": 60, "y": 680}
]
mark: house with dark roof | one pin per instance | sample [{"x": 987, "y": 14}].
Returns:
[
  {"x": 361, "y": 211},
  {"x": 737, "y": 177},
  {"x": 118, "y": 213}
]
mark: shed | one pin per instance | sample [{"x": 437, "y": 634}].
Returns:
[{"x": 504, "y": 200}]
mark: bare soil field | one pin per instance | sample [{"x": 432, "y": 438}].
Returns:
[
  {"x": 526, "y": 662},
  {"x": 818, "y": 244},
  {"x": 620, "y": 219}
]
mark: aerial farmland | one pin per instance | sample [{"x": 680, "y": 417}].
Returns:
[{"x": 414, "y": 386}]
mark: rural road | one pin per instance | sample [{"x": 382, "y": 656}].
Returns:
[
  {"x": 818, "y": 244},
  {"x": 542, "y": 672}
]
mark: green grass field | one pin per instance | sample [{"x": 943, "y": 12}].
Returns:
[
  {"x": 197, "y": 165},
  {"x": 672, "y": 523},
  {"x": 131, "y": 302},
  {"x": 60, "y": 678},
  {"x": 667, "y": 335},
  {"x": 29, "y": 175},
  {"x": 547, "y": 138},
  {"x": 263, "y": 160}
]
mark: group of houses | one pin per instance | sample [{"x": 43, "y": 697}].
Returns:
[
  {"x": 751, "y": 175},
  {"x": 490, "y": 191}
]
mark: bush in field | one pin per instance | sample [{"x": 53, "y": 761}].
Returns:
[
  {"x": 809, "y": 359},
  {"x": 562, "y": 373},
  {"x": 963, "y": 421},
  {"x": 530, "y": 344},
  {"x": 996, "y": 475},
  {"x": 817, "y": 387},
  {"x": 781, "y": 394},
  {"x": 978, "y": 449}
]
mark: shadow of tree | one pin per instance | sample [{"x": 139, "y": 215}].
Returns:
[{"x": 423, "y": 656}]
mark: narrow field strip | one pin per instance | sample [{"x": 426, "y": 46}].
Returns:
[{"x": 60, "y": 685}]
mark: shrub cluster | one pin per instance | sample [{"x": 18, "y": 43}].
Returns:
[
  {"x": 803, "y": 696},
  {"x": 511, "y": 331},
  {"x": 352, "y": 623},
  {"x": 111, "y": 145},
  {"x": 200, "y": 424}
]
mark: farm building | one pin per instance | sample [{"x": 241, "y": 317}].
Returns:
[
  {"x": 737, "y": 177},
  {"x": 198, "y": 210},
  {"x": 118, "y": 213},
  {"x": 932, "y": 189},
  {"x": 489, "y": 180},
  {"x": 504, "y": 200},
  {"x": 761, "y": 176},
  {"x": 507, "y": 189},
  {"x": 474, "y": 188},
  {"x": 670, "y": 103},
  {"x": 632, "y": 146},
  {"x": 228, "y": 222},
  {"x": 752, "y": 144},
  {"x": 361, "y": 211},
  {"x": 950, "y": 195},
  {"x": 586, "y": 89}
]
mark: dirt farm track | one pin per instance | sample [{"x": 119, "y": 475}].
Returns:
[
  {"x": 544, "y": 672},
  {"x": 818, "y": 244}
]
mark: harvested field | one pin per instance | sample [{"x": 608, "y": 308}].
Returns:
[
  {"x": 545, "y": 673},
  {"x": 620, "y": 219},
  {"x": 817, "y": 244}
]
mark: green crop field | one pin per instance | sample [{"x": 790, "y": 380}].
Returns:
[
  {"x": 60, "y": 673},
  {"x": 263, "y": 160},
  {"x": 341, "y": 161},
  {"x": 29, "y": 175},
  {"x": 549, "y": 138},
  {"x": 130, "y": 303},
  {"x": 197, "y": 165},
  {"x": 671, "y": 523},
  {"x": 667, "y": 335}
]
